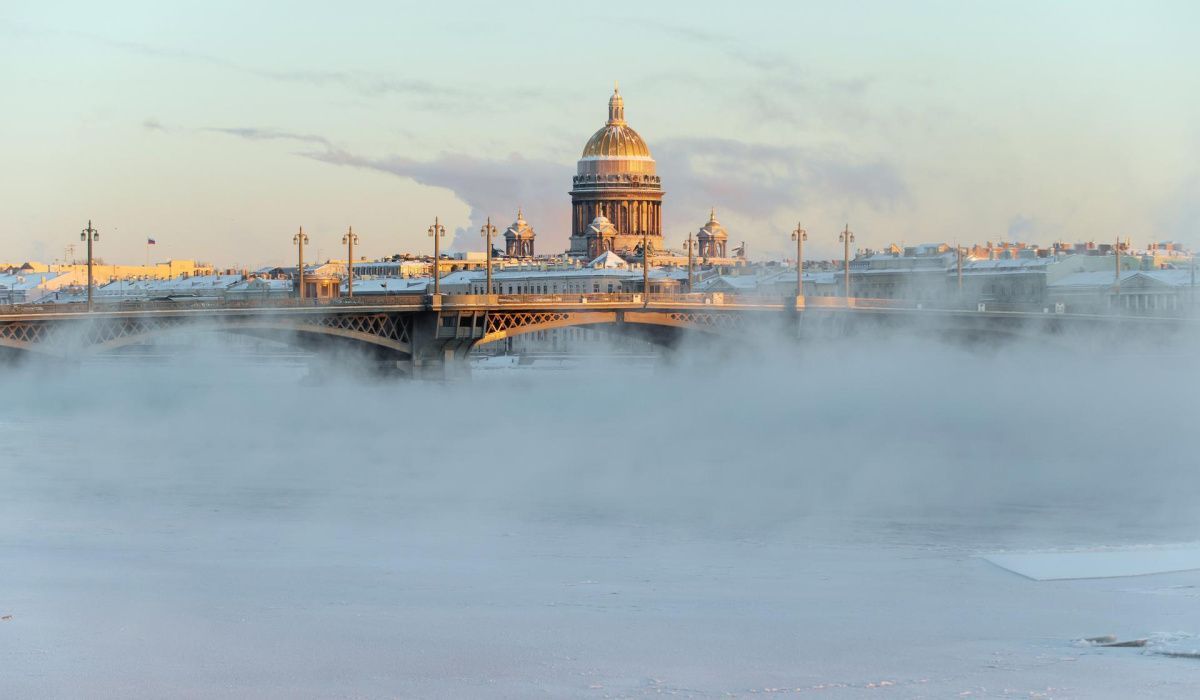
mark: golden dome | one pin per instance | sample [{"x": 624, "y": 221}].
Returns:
[{"x": 617, "y": 139}]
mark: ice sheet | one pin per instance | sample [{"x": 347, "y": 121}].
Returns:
[{"x": 1099, "y": 563}]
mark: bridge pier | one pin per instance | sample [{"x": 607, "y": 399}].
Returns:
[{"x": 438, "y": 368}]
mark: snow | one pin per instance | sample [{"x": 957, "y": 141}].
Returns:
[
  {"x": 391, "y": 285},
  {"x": 1099, "y": 563},
  {"x": 608, "y": 260}
]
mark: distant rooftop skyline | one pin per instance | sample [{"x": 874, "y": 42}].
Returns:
[{"x": 218, "y": 129}]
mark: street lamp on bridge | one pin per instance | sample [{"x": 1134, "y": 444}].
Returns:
[
  {"x": 487, "y": 232},
  {"x": 436, "y": 231},
  {"x": 90, "y": 235},
  {"x": 350, "y": 239},
  {"x": 1117, "y": 276},
  {"x": 299, "y": 240},
  {"x": 690, "y": 243},
  {"x": 645, "y": 267},
  {"x": 847, "y": 238},
  {"x": 799, "y": 236}
]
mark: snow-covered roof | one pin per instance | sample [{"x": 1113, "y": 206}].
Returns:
[
  {"x": 261, "y": 283},
  {"x": 199, "y": 284},
  {"x": 1174, "y": 277},
  {"x": 789, "y": 276},
  {"x": 1169, "y": 278},
  {"x": 738, "y": 282},
  {"x": 1091, "y": 279},
  {"x": 1006, "y": 265},
  {"x": 27, "y": 280},
  {"x": 609, "y": 261},
  {"x": 391, "y": 285},
  {"x": 462, "y": 277}
]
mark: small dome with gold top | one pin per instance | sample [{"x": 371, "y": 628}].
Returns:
[
  {"x": 617, "y": 139},
  {"x": 713, "y": 230},
  {"x": 712, "y": 237}
]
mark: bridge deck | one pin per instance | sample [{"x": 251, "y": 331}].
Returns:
[{"x": 573, "y": 302}]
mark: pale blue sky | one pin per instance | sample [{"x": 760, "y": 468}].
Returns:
[{"x": 218, "y": 129}]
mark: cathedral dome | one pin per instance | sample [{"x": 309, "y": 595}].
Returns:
[
  {"x": 616, "y": 195},
  {"x": 616, "y": 139}
]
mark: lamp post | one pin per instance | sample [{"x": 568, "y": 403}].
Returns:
[
  {"x": 300, "y": 239},
  {"x": 90, "y": 235},
  {"x": 847, "y": 238},
  {"x": 645, "y": 267},
  {"x": 958, "y": 262},
  {"x": 487, "y": 232},
  {"x": 1117, "y": 277},
  {"x": 799, "y": 236},
  {"x": 691, "y": 257},
  {"x": 436, "y": 231},
  {"x": 350, "y": 239}
]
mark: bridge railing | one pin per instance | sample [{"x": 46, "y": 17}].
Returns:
[
  {"x": 726, "y": 299},
  {"x": 209, "y": 304},
  {"x": 455, "y": 300}
]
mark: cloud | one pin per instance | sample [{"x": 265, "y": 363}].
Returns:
[
  {"x": 429, "y": 95},
  {"x": 755, "y": 181},
  {"x": 1178, "y": 218},
  {"x": 1021, "y": 226},
  {"x": 256, "y": 134},
  {"x": 422, "y": 94},
  {"x": 735, "y": 49},
  {"x": 1026, "y": 228},
  {"x": 760, "y": 180},
  {"x": 490, "y": 187}
]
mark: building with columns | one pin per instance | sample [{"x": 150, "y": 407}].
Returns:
[
  {"x": 712, "y": 237},
  {"x": 518, "y": 238},
  {"x": 616, "y": 195}
]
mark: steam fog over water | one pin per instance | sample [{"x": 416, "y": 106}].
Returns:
[{"x": 793, "y": 520}]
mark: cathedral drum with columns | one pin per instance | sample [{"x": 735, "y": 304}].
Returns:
[{"x": 616, "y": 196}]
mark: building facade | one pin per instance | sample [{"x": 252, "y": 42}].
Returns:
[
  {"x": 518, "y": 238},
  {"x": 616, "y": 194},
  {"x": 712, "y": 237}
]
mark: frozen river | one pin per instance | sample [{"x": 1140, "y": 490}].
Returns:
[{"x": 708, "y": 527}]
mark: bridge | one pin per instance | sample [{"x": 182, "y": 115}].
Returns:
[{"x": 426, "y": 334}]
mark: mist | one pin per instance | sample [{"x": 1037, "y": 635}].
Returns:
[{"x": 726, "y": 519}]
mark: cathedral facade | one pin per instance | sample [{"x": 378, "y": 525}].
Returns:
[{"x": 616, "y": 195}]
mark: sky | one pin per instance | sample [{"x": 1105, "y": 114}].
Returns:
[{"x": 218, "y": 128}]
